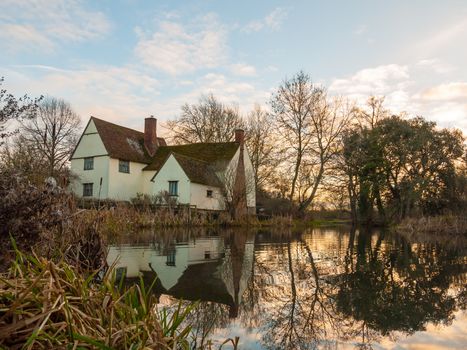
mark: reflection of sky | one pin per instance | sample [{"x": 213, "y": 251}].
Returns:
[{"x": 438, "y": 337}]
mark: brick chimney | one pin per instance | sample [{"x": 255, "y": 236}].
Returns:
[
  {"x": 150, "y": 135},
  {"x": 239, "y": 136}
]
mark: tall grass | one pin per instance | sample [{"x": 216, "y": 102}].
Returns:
[
  {"x": 52, "y": 305},
  {"x": 448, "y": 229}
]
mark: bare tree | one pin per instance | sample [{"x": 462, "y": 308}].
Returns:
[
  {"x": 207, "y": 121},
  {"x": 53, "y": 133},
  {"x": 328, "y": 123},
  {"x": 261, "y": 142},
  {"x": 293, "y": 105}
]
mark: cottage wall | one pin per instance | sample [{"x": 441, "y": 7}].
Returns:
[
  {"x": 202, "y": 201},
  {"x": 101, "y": 170},
  {"x": 124, "y": 186},
  {"x": 172, "y": 171}
]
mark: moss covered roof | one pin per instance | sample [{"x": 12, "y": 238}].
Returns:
[
  {"x": 215, "y": 154},
  {"x": 123, "y": 143},
  {"x": 198, "y": 171}
]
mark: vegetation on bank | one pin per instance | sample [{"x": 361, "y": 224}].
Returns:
[
  {"x": 447, "y": 229},
  {"x": 46, "y": 304}
]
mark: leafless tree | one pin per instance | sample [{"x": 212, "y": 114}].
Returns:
[
  {"x": 328, "y": 123},
  {"x": 293, "y": 105},
  {"x": 207, "y": 121},
  {"x": 311, "y": 125},
  {"x": 53, "y": 133},
  {"x": 261, "y": 142}
]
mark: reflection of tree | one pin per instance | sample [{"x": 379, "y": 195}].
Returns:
[
  {"x": 303, "y": 314},
  {"x": 388, "y": 290}
]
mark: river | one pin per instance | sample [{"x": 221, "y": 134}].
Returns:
[{"x": 320, "y": 288}]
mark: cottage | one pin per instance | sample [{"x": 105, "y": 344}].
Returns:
[{"x": 115, "y": 162}]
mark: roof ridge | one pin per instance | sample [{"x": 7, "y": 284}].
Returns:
[
  {"x": 120, "y": 126},
  {"x": 188, "y": 157}
]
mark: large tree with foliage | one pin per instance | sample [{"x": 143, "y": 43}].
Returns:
[{"x": 402, "y": 167}]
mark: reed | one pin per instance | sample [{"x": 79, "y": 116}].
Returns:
[
  {"x": 449, "y": 229},
  {"x": 52, "y": 305}
]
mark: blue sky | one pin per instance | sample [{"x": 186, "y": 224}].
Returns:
[{"x": 125, "y": 60}]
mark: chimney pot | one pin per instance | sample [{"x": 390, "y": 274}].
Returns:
[
  {"x": 150, "y": 135},
  {"x": 239, "y": 136}
]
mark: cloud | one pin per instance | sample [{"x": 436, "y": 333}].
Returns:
[
  {"x": 390, "y": 79},
  {"x": 445, "y": 92},
  {"x": 16, "y": 35},
  {"x": 435, "y": 65},
  {"x": 243, "y": 69},
  {"x": 44, "y": 23},
  {"x": 443, "y": 103},
  {"x": 361, "y": 29},
  {"x": 272, "y": 21},
  {"x": 176, "y": 49}
]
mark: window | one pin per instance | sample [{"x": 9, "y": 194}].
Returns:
[
  {"x": 209, "y": 193},
  {"x": 173, "y": 188},
  {"x": 89, "y": 163},
  {"x": 124, "y": 166},
  {"x": 171, "y": 257},
  {"x": 207, "y": 254},
  {"x": 87, "y": 190}
]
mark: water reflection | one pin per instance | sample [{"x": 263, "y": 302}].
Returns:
[{"x": 320, "y": 288}]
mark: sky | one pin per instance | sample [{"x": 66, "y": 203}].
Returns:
[{"x": 123, "y": 60}]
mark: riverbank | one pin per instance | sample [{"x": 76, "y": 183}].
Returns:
[{"x": 447, "y": 229}]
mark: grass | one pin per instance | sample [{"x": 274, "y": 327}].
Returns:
[{"x": 52, "y": 305}]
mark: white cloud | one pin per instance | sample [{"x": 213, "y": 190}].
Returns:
[
  {"x": 381, "y": 80},
  {"x": 443, "y": 103},
  {"x": 444, "y": 92},
  {"x": 176, "y": 49},
  {"x": 44, "y": 23},
  {"x": 361, "y": 29},
  {"x": 436, "y": 65},
  {"x": 17, "y": 35},
  {"x": 243, "y": 69},
  {"x": 272, "y": 21}
]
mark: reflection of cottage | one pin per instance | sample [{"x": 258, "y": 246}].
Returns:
[
  {"x": 114, "y": 162},
  {"x": 207, "y": 269}
]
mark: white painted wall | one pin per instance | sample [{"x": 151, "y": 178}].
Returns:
[
  {"x": 124, "y": 186},
  {"x": 200, "y": 199},
  {"x": 172, "y": 171},
  {"x": 101, "y": 170},
  {"x": 90, "y": 145}
]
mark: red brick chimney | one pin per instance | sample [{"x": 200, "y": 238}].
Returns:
[
  {"x": 239, "y": 136},
  {"x": 150, "y": 135}
]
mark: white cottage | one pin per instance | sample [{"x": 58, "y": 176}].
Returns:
[{"x": 115, "y": 162}]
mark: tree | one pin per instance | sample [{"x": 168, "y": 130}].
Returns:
[
  {"x": 261, "y": 142},
  {"x": 207, "y": 121},
  {"x": 311, "y": 125},
  {"x": 403, "y": 166},
  {"x": 293, "y": 104},
  {"x": 52, "y": 133},
  {"x": 12, "y": 108}
]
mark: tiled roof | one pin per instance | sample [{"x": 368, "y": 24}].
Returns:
[
  {"x": 198, "y": 171},
  {"x": 215, "y": 154},
  {"x": 124, "y": 143}
]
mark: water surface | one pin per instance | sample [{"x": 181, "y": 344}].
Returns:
[{"x": 332, "y": 288}]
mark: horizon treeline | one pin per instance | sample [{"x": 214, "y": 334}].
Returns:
[{"x": 309, "y": 150}]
